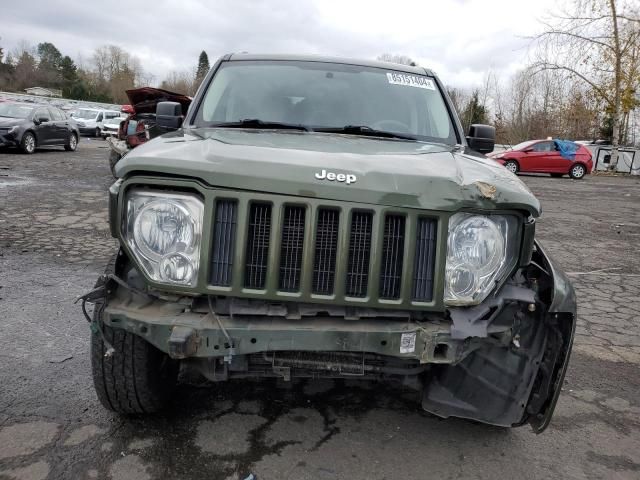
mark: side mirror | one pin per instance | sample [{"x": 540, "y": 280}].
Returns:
[
  {"x": 169, "y": 115},
  {"x": 482, "y": 138},
  {"x": 41, "y": 119},
  {"x": 528, "y": 149}
]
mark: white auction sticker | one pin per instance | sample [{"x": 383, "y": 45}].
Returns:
[
  {"x": 396, "y": 78},
  {"x": 408, "y": 342}
]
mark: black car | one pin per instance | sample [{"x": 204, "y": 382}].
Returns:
[{"x": 30, "y": 126}]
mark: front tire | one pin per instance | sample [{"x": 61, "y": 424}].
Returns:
[
  {"x": 512, "y": 166},
  {"x": 98, "y": 133},
  {"x": 28, "y": 143},
  {"x": 578, "y": 171},
  {"x": 72, "y": 143},
  {"x": 137, "y": 377}
]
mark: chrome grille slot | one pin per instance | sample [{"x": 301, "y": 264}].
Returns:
[
  {"x": 224, "y": 236},
  {"x": 291, "y": 247},
  {"x": 424, "y": 261},
  {"x": 326, "y": 247},
  {"x": 357, "y": 279},
  {"x": 392, "y": 255},
  {"x": 257, "y": 252}
]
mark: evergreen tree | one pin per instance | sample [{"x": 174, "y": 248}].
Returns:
[
  {"x": 203, "y": 67},
  {"x": 49, "y": 60},
  {"x": 69, "y": 73}
]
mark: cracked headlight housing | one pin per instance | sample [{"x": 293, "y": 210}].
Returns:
[
  {"x": 164, "y": 232},
  {"x": 481, "y": 250}
]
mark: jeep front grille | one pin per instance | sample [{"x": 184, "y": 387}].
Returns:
[{"x": 325, "y": 253}]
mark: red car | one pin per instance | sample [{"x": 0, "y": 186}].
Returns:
[{"x": 557, "y": 157}]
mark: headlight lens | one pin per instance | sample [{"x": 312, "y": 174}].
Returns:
[
  {"x": 480, "y": 251},
  {"x": 164, "y": 230},
  {"x": 13, "y": 129}
]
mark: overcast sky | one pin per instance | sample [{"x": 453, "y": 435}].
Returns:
[{"x": 459, "y": 39}]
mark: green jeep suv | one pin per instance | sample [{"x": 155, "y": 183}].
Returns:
[{"x": 324, "y": 217}]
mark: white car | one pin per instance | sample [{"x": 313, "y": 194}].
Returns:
[
  {"x": 110, "y": 126},
  {"x": 91, "y": 120}
]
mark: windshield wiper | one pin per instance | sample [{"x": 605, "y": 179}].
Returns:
[
  {"x": 257, "y": 123},
  {"x": 364, "y": 130}
]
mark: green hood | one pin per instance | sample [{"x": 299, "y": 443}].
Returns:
[{"x": 389, "y": 172}]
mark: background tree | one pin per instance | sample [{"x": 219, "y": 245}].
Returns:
[
  {"x": 459, "y": 97},
  {"x": 203, "y": 68},
  {"x": 6, "y": 70},
  {"x": 115, "y": 71},
  {"x": 49, "y": 61},
  {"x": 24, "y": 67},
  {"x": 596, "y": 43},
  {"x": 180, "y": 82},
  {"x": 473, "y": 112},
  {"x": 69, "y": 75}
]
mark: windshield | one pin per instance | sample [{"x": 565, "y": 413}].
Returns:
[
  {"x": 523, "y": 145},
  {"x": 15, "y": 110},
  {"x": 320, "y": 95},
  {"x": 85, "y": 114}
]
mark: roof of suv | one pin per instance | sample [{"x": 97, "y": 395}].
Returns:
[{"x": 326, "y": 59}]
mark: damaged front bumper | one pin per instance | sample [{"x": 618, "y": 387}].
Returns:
[{"x": 502, "y": 362}]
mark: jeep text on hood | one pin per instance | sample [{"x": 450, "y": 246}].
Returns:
[{"x": 318, "y": 217}]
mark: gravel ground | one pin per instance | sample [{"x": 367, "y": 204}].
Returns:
[{"x": 54, "y": 241}]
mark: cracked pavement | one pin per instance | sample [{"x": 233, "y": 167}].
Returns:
[{"x": 54, "y": 241}]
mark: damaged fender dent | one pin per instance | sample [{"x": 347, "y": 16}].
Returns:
[
  {"x": 486, "y": 190},
  {"x": 515, "y": 375}
]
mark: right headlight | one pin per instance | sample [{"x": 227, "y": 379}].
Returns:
[
  {"x": 164, "y": 230},
  {"x": 481, "y": 249}
]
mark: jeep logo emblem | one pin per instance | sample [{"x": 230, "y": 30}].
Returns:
[{"x": 347, "y": 178}]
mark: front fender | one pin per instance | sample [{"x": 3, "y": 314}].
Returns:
[{"x": 562, "y": 314}]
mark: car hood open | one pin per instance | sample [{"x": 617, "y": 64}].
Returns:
[
  {"x": 388, "y": 172},
  {"x": 145, "y": 99}
]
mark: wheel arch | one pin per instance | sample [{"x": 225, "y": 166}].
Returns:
[
  {"x": 31, "y": 131},
  {"x": 514, "y": 160},
  {"x": 583, "y": 163}
]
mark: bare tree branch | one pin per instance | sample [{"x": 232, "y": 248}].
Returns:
[
  {"x": 551, "y": 66},
  {"x": 593, "y": 40}
]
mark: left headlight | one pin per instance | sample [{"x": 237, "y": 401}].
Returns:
[
  {"x": 164, "y": 232},
  {"x": 13, "y": 129},
  {"x": 481, "y": 249}
]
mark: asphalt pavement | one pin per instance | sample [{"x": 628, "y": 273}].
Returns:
[{"x": 54, "y": 242}]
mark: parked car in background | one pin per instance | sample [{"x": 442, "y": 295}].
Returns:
[
  {"x": 556, "y": 157},
  {"x": 91, "y": 120},
  {"x": 30, "y": 126},
  {"x": 111, "y": 126}
]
